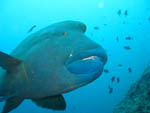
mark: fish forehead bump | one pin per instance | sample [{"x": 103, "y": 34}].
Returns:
[
  {"x": 53, "y": 30},
  {"x": 73, "y": 25}
]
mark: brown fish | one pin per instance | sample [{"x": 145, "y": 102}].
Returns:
[
  {"x": 119, "y": 12},
  {"x": 119, "y": 65},
  {"x": 128, "y": 38},
  {"x": 127, "y": 47},
  {"x": 130, "y": 69},
  {"x": 106, "y": 70},
  {"x": 126, "y": 13},
  {"x": 110, "y": 90},
  {"x": 96, "y": 28},
  {"x": 149, "y": 19},
  {"x": 117, "y": 38},
  {"x": 118, "y": 80},
  {"x": 31, "y": 29},
  {"x": 113, "y": 79}
]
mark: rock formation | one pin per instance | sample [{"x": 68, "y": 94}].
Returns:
[{"x": 137, "y": 99}]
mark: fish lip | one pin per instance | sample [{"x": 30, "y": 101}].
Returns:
[{"x": 95, "y": 53}]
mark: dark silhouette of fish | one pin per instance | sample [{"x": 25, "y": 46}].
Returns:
[
  {"x": 118, "y": 80},
  {"x": 113, "y": 79},
  {"x": 119, "y": 65},
  {"x": 106, "y": 70},
  {"x": 117, "y": 38},
  {"x": 126, "y": 13},
  {"x": 110, "y": 90},
  {"x": 127, "y": 47},
  {"x": 31, "y": 29},
  {"x": 119, "y": 12},
  {"x": 149, "y": 19},
  {"x": 96, "y": 28},
  {"x": 139, "y": 23},
  {"x": 130, "y": 69},
  {"x": 128, "y": 38}
]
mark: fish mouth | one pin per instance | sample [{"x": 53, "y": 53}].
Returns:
[{"x": 90, "y": 61}]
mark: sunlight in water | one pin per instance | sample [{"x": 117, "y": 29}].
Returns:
[{"x": 101, "y": 4}]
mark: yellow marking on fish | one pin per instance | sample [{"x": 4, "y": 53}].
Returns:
[
  {"x": 25, "y": 72},
  {"x": 65, "y": 34}
]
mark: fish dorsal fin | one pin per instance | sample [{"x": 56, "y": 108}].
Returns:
[
  {"x": 7, "y": 62},
  {"x": 11, "y": 104},
  {"x": 51, "y": 102}
]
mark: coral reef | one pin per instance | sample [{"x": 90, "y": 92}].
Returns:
[{"x": 137, "y": 99}]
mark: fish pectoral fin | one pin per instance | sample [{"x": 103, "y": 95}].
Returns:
[
  {"x": 8, "y": 62},
  {"x": 51, "y": 102},
  {"x": 4, "y": 98},
  {"x": 11, "y": 104}
]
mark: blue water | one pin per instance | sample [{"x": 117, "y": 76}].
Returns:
[{"x": 18, "y": 16}]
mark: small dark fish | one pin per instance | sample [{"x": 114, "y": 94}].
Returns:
[
  {"x": 31, "y": 29},
  {"x": 117, "y": 38},
  {"x": 106, "y": 70},
  {"x": 113, "y": 79},
  {"x": 119, "y": 65},
  {"x": 110, "y": 90},
  {"x": 130, "y": 69},
  {"x": 124, "y": 22},
  {"x": 127, "y": 47},
  {"x": 96, "y": 28},
  {"x": 126, "y": 13},
  {"x": 149, "y": 19},
  {"x": 119, "y": 12},
  {"x": 139, "y": 23},
  {"x": 118, "y": 80},
  {"x": 128, "y": 38}
]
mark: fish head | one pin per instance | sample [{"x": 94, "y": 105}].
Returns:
[{"x": 78, "y": 60}]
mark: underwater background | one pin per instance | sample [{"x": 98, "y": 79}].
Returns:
[{"x": 122, "y": 27}]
